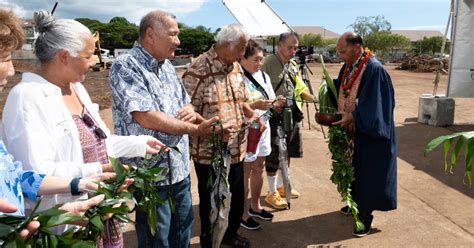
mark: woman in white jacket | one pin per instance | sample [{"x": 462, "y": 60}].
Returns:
[{"x": 50, "y": 122}]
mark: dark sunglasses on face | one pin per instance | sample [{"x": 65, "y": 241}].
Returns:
[{"x": 91, "y": 124}]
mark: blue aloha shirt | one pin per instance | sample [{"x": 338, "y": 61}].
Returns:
[
  {"x": 139, "y": 82},
  {"x": 15, "y": 183}
]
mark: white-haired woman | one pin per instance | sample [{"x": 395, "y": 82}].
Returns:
[
  {"x": 50, "y": 122},
  {"x": 16, "y": 183}
]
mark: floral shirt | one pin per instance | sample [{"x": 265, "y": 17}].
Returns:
[
  {"x": 217, "y": 89},
  {"x": 141, "y": 83},
  {"x": 15, "y": 183}
]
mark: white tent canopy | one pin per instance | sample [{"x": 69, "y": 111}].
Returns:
[
  {"x": 257, "y": 17},
  {"x": 461, "y": 69}
]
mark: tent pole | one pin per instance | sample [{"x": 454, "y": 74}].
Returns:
[{"x": 441, "y": 55}]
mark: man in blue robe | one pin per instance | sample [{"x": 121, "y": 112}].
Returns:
[{"x": 366, "y": 101}]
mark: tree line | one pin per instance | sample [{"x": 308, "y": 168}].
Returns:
[
  {"x": 120, "y": 33},
  {"x": 375, "y": 30}
]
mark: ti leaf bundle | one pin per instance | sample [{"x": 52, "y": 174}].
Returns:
[
  {"x": 327, "y": 92},
  {"x": 342, "y": 171},
  {"x": 145, "y": 176}
]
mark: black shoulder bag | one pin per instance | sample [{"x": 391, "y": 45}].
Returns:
[{"x": 257, "y": 85}]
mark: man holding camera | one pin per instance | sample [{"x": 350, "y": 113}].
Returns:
[{"x": 286, "y": 81}]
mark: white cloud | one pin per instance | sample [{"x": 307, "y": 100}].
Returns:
[
  {"x": 19, "y": 11},
  {"x": 104, "y": 10}
]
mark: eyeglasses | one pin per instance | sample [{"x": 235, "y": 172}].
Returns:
[{"x": 87, "y": 119}]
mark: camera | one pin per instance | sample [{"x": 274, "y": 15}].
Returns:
[{"x": 301, "y": 54}]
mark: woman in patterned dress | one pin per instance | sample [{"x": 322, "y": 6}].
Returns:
[
  {"x": 50, "y": 122},
  {"x": 16, "y": 183}
]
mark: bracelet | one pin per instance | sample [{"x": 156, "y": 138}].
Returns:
[{"x": 75, "y": 186}]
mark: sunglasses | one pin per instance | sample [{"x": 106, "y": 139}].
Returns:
[{"x": 87, "y": 119}]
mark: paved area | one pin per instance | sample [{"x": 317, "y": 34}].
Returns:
[{"x": 435, "y": 209}]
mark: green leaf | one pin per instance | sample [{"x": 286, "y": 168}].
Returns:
[
  {"x": 84, "y": 244},
  {"x": 152, "y": 219},
  {"x": 97, "y": 222},
  {"x": 52, "y": 212},
  {"x": 139, "y": 183},
  {"x": 11, "y": 220},
  {"x": 123, "y": 218},
  {"x": 122, "y": 209},
  {"x": 65, "y": 218},
  {"x": 464, "y": 138},
  {"x": 329, "y": 81},
  {"x": 53, "y": 241},
  {"x": 456, "y": 150},
  {"x": 468, "y": 156},
  {"x": 437, "y": 141},
  {"x": 446, "y": 146},
  {"x": 118, "y": 169},
  {"x": 5, "y": 230}
]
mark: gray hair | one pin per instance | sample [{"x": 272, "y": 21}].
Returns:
[
  {"x": 154, "y": 19},
  {"x": 287, "y": 35},
  {"x": 56, "y": 35},
  {"x": 232, "y": 34}
]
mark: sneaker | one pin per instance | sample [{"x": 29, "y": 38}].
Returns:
[
  {"x": 345, "y": 210},
  {"x": 250, "y": 224},
  {"x": 264, "y": 215},
  {"x": 294, "y": 194},
  {"x": 366, "y": 230},
  {"x": 274, "y": 200}
]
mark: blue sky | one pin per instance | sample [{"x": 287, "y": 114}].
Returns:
[
  {"x": 333, "y": 15},
  {"x": 336, "y": 15}
]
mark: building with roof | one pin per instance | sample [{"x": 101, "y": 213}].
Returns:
[
  {"x": 417, "y": 35},
  {"x": 325, "y": 33}
]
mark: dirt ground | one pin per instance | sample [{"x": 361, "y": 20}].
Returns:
[{"x": 435, "y": 208}]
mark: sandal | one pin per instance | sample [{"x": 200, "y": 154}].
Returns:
[{"x": 237, "y": 242}]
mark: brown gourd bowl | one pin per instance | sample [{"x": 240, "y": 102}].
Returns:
[{"x": 327, "y": 119}]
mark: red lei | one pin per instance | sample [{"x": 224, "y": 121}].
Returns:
[{"x": 346, "y": 87}]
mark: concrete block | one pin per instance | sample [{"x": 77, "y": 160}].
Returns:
[{"x": 436, "y": 110}]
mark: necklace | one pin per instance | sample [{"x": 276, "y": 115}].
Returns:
[{"x": 349, "y": 78}]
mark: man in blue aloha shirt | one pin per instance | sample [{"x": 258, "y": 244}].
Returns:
[{"x": 149, "y": 98}]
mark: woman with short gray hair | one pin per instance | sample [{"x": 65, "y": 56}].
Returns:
[{"x": 50, "y": 122}]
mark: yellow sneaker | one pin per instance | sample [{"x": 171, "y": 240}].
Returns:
[
  {"x": 274, "y": 200},
  {"x": 294, "y": 194}
]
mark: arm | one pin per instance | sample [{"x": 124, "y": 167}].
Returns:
[
  {"x": 305, "y": 95},
  {"x": 162, "y": 122},
  {"x": 187, "y": 114},
  {"x": 129, "y": 88},
  {"x": 119, "y": 146},
  {"x": 39, "y": 136},
  {"x": 252, "y": 116},
  {"x": 261, "y": 104},
  {"x": 57, "y": 185},
  {"x": 34, "y": 184}
]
